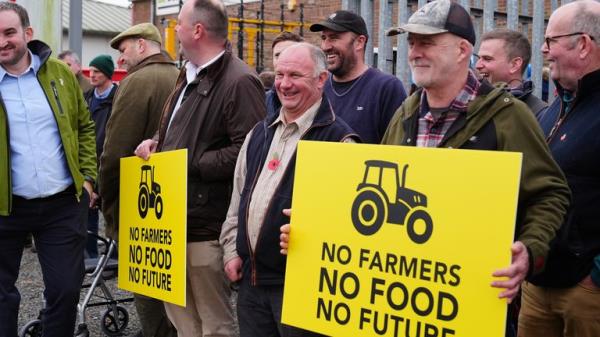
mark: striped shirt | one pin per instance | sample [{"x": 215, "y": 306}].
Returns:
[{"x": 433, "y": 125}]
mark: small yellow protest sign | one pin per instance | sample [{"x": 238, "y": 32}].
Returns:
[
  {"x": 399, "y": 241},
  {"x": 152, "y": 226}
]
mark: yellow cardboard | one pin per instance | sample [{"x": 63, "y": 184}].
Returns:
[
  {"x": 153, "y": 227},
  {"x": 424, "y": 270}
]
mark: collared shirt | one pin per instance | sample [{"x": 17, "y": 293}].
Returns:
[
  {"x": 283, "y": 146},
  {"x": 104, "y": 94},
  {"x": 38, "y": 164},
  {"x": 191, "y": 72},
  {"x": 433, "y": 126}
]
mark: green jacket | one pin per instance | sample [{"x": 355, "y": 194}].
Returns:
[
  {"x": 73, "y": 120},
  {"x": 497, "y": 121}
]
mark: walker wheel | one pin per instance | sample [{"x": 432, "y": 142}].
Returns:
[
  {"x": 114, "y": 324},
  {"x": 32, "y": 329}
]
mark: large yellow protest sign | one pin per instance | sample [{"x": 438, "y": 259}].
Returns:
[
  {"x": 152, "y": 226},
  {"x": 399, "y": 241}
]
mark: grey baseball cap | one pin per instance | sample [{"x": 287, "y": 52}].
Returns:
[{"x": 436, "y": 17}]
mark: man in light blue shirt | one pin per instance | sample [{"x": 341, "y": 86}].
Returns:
[{"x": 47, "y": 167}]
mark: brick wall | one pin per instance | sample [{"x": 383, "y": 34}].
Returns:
[{"x": 314, "y": 11}]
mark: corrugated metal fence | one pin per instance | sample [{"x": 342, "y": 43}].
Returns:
[{"x": 526, "y": 16}]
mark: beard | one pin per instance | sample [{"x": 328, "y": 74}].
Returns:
[{"x": 17, "y": 54}]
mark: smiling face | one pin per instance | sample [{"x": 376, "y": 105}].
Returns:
[
  {"x": 562, "y": 56},
  {"x": 298, "y": 86},
  {"x": 13, "y": 42},
  {"x": 494, "y": 63},
  {"x": 340, "y": 50},
  {"x": 433, "y": 59}
]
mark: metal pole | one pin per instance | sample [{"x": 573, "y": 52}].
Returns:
[
  {"x": 402, "y": 68},
  {"x": 488, "y": 15},
  {"x": 536, "y": 41},
  {"x": 281, "y": 16},
  {"x": 351, "y": 5},
  {"x": 366, "y": 11},
  {"x": 240, "y": 43},
  {"x": 75, "y": 26},
  {"x": 422, "y": 3},
  {"x": 512, "y": 14},
  {"x": 466, "y": 5},
  {"x": 301, "y": 19},
  {"x": 257, "y": 47},
  {"x": 385, "y": 53},
  {"x": 262, "y": 35}
]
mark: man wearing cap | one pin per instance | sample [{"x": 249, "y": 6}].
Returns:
[
  {"x": 135, "y": 116},
  {"x": 47, "y": 170},
  {"x": 503, "y": 57},
  {"x": 454, "y": 110},
  {"x": 99, "y": 100},
  {"x": 218, "y": 99},
  {"x": 363, "y": 96}
]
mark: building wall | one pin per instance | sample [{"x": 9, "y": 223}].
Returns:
[
  {"x": 315, "y": 11},
  {"x": 92, "y": 46}
]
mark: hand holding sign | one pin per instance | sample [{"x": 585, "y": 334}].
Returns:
[
  {"x": 516, "y": 272},
  {"x": 146, "y": 148},
  {"x": 284, "y": 238}
]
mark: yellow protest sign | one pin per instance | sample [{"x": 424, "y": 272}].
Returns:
[
  {"x": 152, "y": 226},
  {"x": 399, "y": 241}
]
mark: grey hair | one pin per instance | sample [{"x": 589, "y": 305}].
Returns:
[
  {"x": 212, "y": 14},
  {"x": 316, "y": 54},
  {"x": 71, "y": 53},
  {"x": 587, "y": 20}
]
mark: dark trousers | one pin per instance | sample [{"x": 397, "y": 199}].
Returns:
[
  {"x": 58, "y": 225},
  {"x": 259, "y": 313},
  {"x": 91, "y": 246}
]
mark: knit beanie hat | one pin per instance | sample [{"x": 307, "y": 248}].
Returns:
[{"x": 105, "y": 64}]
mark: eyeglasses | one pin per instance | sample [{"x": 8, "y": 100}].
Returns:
[{"x": 555, "y": 38}]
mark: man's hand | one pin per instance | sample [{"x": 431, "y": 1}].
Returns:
[
  {"x": 516, "y": 272},
  {"x": 146, "y": 148},
  {"x": 284, "y": 237},
  {"x": 90, "y": 190},
  {"x": 233, "y": 269}
]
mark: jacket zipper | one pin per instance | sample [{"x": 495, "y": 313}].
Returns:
[{"x": 60, "y": 108}]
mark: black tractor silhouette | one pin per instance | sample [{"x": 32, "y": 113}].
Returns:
[
  {"x": 149, "y": 198},
  {"x": 372, "y": 206}
]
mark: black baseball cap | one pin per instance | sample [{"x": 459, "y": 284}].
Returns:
[
  {"x": 436, "y": 17},
  {"x": 342, "y": 21}
]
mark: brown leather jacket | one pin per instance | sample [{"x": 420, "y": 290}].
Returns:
[{"x": 224, "y": 102}]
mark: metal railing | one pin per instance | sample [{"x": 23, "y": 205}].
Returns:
[{"x": 486, "y": 16}]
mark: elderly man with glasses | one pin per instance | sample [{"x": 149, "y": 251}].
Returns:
[{"x": 564, "y": 300}]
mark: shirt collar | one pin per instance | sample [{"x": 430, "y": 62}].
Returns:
[
  {"x": 103, "y": 95},
  {"x": 34, "y": 65},
  {"x": 192, "y": 70},
  {"x": 303, "y": 122},
  {"x": 460, "y": 103}
]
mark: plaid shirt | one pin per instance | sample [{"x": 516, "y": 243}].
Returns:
[{"x": 432, "y": 130}]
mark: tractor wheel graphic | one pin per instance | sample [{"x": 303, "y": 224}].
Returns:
[
  {"x": 419, "y": 217},
  {"x": 143, "y": 201},
  {"x": 369, "y": 212},
  {"x": 158, "y": 206}
]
